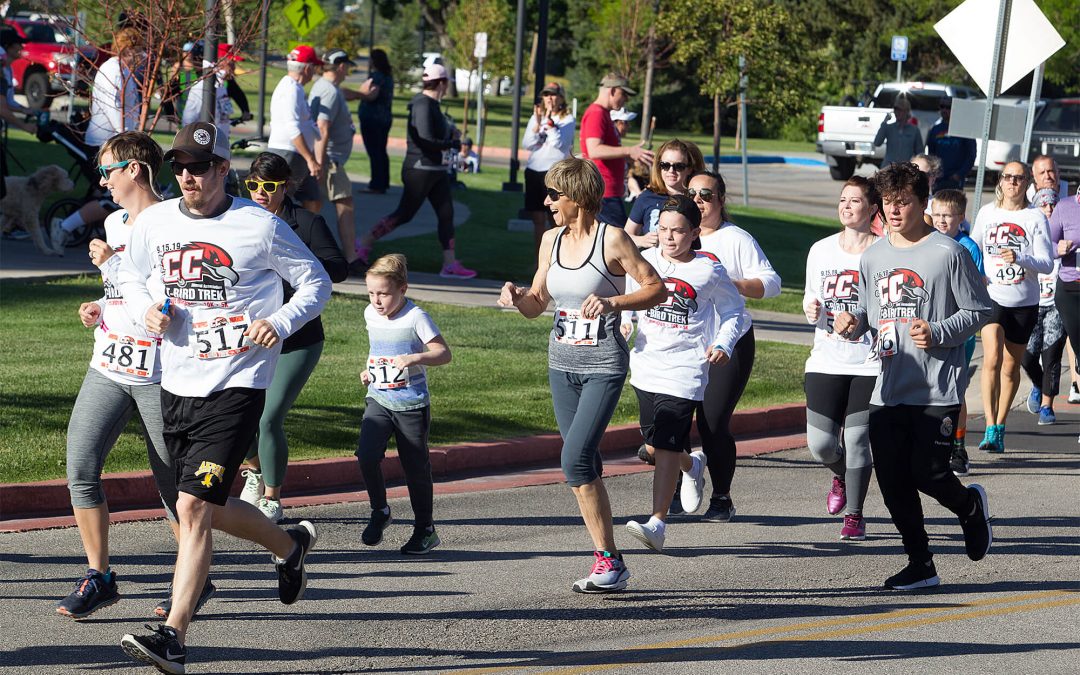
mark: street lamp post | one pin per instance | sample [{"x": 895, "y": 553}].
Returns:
[{"x": 513, "y": 185}]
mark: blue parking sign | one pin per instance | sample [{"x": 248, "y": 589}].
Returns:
[{"x": 899, "y": 48}]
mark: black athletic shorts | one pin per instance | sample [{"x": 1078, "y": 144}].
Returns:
[
  {"x": 1018, "y": 322},
  {"x": 665, "y": 420},
  {"x": 535, "y": 190},
  {"x": 208, "y": 438}
]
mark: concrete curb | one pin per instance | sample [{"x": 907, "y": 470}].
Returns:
[{"x": 136, "y": 490}]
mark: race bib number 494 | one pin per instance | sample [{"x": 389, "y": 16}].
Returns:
[
  {"x": 129, "y": 355},
  {"x": 385, "y": 375},
  {"x": 220, "y": 336},
  {"x": 571, "y": 328}
]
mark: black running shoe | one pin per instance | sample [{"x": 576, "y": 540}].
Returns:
[
  {"x": 978, "y": 534},
  {"x": 915, "y": 575},
  {"x": 160, "y": 649},
  {"x": 92, "y": 592},
  {"x": 958, "y": 462},
  {"x": 643, "y": 455},
  {"x": 372, "y": 534},
  {"x": 292, "y": 577},
  {"x": 358, "y": 268},
  {"x": 165, "y": 606},
  {"x": 421, "y": 541},
  {"x": 721, "y": 510}
]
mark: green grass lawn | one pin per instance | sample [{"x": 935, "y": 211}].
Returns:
[{"x": 499, "y": 360}]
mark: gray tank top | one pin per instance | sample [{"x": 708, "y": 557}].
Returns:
[{"x": 577, "y": 345}]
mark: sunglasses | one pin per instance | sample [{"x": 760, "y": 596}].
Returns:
[
  {"x": 554, "y": 194},
  {"x": 267, "y": 186},
  {"x": 193, "y": 168},
  {"x": 1013, "y": 178},
  {"x": 676, "y": 167},
  {"x": 106, "y": 169},
  {"x": 705, "y": 194}
]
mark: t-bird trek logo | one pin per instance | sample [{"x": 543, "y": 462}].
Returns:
[
  {"x": 900, "y": 292},
  {"x": 840, "y": 290},
  {"x": 681, "y": 300},
  {"x": 1004, "y": 236},
  {"x": 197, "y": 271}
]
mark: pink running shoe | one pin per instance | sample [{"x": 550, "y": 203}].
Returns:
[
  {"x": 854, "y": 528},
  {"x": 456, "y": 270},
  {"x": 362, "y": 252},
  {"x": 837, "y": 499}
]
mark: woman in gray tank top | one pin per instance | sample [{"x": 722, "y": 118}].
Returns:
[{"x": 582, "y": 267}]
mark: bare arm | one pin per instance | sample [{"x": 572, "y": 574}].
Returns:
[
  {"x": 598, "y": 150},
  {"x": 436, "y": 354},
  {"x": 750, "y": 288},
  {"x": 323, "y": 142},
  {"x": 533, "y": 301},
  {"x": 620, "y": 252}
]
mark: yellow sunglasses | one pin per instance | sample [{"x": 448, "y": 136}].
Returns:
[{"x": 267, "y": 186}]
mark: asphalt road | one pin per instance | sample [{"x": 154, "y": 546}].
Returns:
[{"x": 774, "y": 591}]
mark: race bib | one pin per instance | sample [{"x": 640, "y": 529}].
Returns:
[
  {"x": 219, "y": 336},
  {"x": 1003, "y": 273},
  {"x": 1046, "y": 286},
  {"x": 571, "y": 328},
  {"x": 884, "y": 345},
  {"x": 385, "y": 375},
  {"x": 827, "y": 323},
  {"x": 129, "y": 355}
]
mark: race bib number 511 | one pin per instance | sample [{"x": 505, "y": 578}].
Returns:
[
  {"x": 571, "y": 328},
  {"x": 220, "y": 336}
]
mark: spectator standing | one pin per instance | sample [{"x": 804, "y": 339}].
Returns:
[
  {"x": 223, "y": 108},
  {"x": 549, "y": 137},
  {"x": 1045, "y": 174},
  {"x": 957, "y": 154},
  {"x": 376, "y": 116},
  {"x": 292, "y": 131},
  {"x": 600, "y": 142},
  {"x": 901, "y": 137}
]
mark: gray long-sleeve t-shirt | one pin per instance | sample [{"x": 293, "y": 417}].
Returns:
[{"x": 934, "y": 280}]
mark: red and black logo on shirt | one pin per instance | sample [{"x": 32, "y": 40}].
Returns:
[
  {"x": 197, "y": 272},
  {"x": 675, "y": 310},
  {"x": 1004, "y": 235},
  {"x": 900, "y": 293}
]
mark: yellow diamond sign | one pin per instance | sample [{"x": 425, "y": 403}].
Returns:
[{"x": 304, "y": 15}]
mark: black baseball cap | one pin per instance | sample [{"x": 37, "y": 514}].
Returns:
[
  {"x": 685, "y": 207},
  {"x": 336, "y": 57},
  {"x": 202, "y": 141}
]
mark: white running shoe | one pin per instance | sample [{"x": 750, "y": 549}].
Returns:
[
  {"x": 57, "y": 236},
  {"x": 693, "y": 483},
  {"x": 647, "y": 535},
  {"x": 254, "y": 487},
  {"x": 271, "y": 508},
  {"x": 1074, "y": 393}
]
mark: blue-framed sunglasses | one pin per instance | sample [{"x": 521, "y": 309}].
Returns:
[{"x": 106, "y": 169}]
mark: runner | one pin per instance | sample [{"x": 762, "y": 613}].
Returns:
[
  {"x": 754, "y": 276},
  {"x": 678, "y": 161},
  {"x": 696, "y": 326},
  {"x": 582, "y": 266},
  {"x": 921, "y": 298},
  {"x": 1047, "y": 342},
  {"x": 839, "y": 380},
  {"x": 1015, "y": 241},
  {"x": 221, "y": 260},
  {"x": 267, "y": 181},
  {"x": 1065, "y": 239},
  {"x": 404, "y": 342}
]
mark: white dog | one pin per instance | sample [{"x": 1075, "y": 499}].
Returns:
[{"x": 21, "y": 207}]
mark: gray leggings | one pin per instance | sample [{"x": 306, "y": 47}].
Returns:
[
  {"x": 101, "y": 412},
  {"x": 584, "y": 404},
  {"x": 835, "y": 402}
]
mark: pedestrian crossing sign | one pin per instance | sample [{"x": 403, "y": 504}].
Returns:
[{"x": 304, "y": 15}]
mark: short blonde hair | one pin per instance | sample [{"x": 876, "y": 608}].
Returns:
[
  {"x": 580, "y": 181},
  {"x": 393, "y": 266}
]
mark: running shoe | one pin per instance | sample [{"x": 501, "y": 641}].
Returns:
[
  {"x": 292, "y": 577},
  {"x": 92, "y": 592},
  {"x": 978, "y": 533},
  {"x": 161, "y": 649},
  {"x": 609, "y": 574},
  {"x": 254, "y": 487},
  {"x": 358, "y": 268},
  {"x": 988, "y": 438},
  {"x": 378, "y": 521},
  {"x": 165, "y": 606},
  {"x": 421, "y": 542},
  {"x": 837, "y": 498},
  {"x": 646, "y": 534},
  {"x": 1034, "y": 401},
  {"x": 456, "y": 270},
  {"x": 915, "y": 575},
  {"x": 958, "y": 462},
  {"x": 721, "y": 510},
  {"x": 58, "y": 236},
  {"x": 994, "y": 442},
  {"x": 271, "y": 508},
  {"x": 693, "y": 483},
  {"x": 643, "y": 455},
  {"x": 363, "y": 253},
  {"x": 854, "y": 528},
  {"x": 1046, "y": 416},
  {"x": 1074, "y": 393}
]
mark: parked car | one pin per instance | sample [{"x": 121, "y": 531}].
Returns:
[
  {"x": 1057, "y": 134},
  {"x": 45, "y": 64}
]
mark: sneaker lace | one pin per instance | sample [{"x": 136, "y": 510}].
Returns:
[
  {"x": 86, "y": 585},
  {"x": 603, "y": 564},
  {"x": 837, "y": 487},
  {"x": 852, "y": 521},
  {"x": 160, "y": 634}
]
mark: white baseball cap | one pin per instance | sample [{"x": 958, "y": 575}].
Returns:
[{"x": 623, "y": 115}]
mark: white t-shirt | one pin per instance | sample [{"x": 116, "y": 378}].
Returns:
[
  {"x": 548, "y": 143},
  {"x": 290, "y": 116},
  {"x": 406, "y": 333},
  {"x": 832, "y": 278},
  {"x": 124, "y": 351},
  {"x": 1026, "y": 232},
  {"x": 114, "y": 103},
  {"x": 741, "y": 256},
  {"x": 221, "y": 273},
  {"x": 193, "y": 104},
  {"x": 703, "y": 308}
]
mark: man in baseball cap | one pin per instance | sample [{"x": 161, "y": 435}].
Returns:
[
  {"x": 435, "y": 72},
  {"x": 616, "y": 81},
  {"x": 293, "y": 131},
  {"x": 202, "y": 142}
]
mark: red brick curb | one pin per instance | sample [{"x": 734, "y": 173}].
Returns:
[{"x": 136, "y": 490}]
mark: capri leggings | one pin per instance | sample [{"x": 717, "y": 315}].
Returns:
[
  {"x": 102, "y": 410},
  {"x": 420, "y": 184},
  {"x": 584, "y": 404},
  {"x": 725, "y": 388},
  {"x": 835, "y": 405},
  {"x": 293, "y": 370},
  {"x": 1047, "y": 344}
]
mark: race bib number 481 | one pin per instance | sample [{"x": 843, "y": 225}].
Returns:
[
  {"x": 129, "y": 355},
  {"x": 571, "y": 328},
  {"x": 220, "y": 336}
]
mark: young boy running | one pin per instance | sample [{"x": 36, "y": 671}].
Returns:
[
  {"x": 403, "y": 342},
  {"x": 921, "y": 297}
]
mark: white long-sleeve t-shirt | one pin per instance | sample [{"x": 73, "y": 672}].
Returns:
[
  {"x": 290, "y": 116},
  {"x": 221, "y": 273},
  {"x": 1027, "y": 233},
  {"x": 549, "y": 140},
  {"x": 223, "y": 108},
  {"x": 114, "y": 103},
  {"x": 742, "y": 257}
]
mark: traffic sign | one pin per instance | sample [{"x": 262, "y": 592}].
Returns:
[
  {"x": 480, "y": 51},
  {"x": 899, "y": 48},
  {"x": 304, "y": 15}
]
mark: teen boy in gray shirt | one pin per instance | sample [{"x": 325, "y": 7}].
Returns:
[{"x": 921, "y": 297}]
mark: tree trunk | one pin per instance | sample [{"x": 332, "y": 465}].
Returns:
[{"x": 716, "y": 133}]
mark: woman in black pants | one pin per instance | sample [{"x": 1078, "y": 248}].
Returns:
[
  {"x": 376, "y": 116},
  {"x": 432, "y": 142}
]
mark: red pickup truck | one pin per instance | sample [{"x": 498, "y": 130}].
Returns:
[{"x": 44, "y": 65}]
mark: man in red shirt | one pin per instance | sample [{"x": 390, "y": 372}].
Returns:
[{"x": 600, "y": 143}]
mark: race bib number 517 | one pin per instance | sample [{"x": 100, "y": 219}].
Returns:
[{"x": 220, "y": 336}]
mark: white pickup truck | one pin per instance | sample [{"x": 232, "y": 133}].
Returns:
[{"x": 846, "y": 133}]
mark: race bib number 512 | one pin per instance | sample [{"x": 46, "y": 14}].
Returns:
[
  {"x": 571, "y": 328},
  {"x": 385, "y": 375},
  {"x": 220, "y": 336}
]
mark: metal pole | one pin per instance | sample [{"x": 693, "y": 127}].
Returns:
[
  {"x": 743, "y": 83},
  {"x": 899, "y": 71},
  {"x": 210, "y": 41},
  {"x": 1004, "y": 8},
  {"x": 540, "y": 66},
  {"x": 513, "y": 185},
  {"x": 261, "y": 119},
  {"x": 1036, "y": 92},
  {"x": 650, "y": 67},
  {"x": 480, "y": 106}
]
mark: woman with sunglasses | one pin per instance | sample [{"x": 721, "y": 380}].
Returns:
[
  {"x": 678, "y": 161},
  {"x": 754, "y": 276},
  {"x": 266, "y": 182},
  {"x": 549, "y": 137},
  {"x": 1015, "y": 241}
]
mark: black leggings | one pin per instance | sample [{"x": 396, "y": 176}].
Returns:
[
  {"x": 725, "y": 388},
  {"x": 1067, "y": 300},
  {"x": 420, "y": 184}
]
